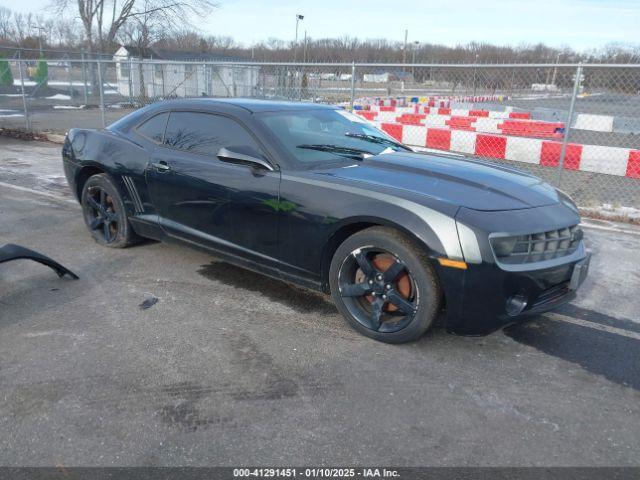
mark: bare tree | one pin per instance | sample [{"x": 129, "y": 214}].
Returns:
[
  {"x": 6, "y": 24},
  {"x": 102, "y": 20}
]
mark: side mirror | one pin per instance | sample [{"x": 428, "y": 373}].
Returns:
[{"x": 233, "y": 155}]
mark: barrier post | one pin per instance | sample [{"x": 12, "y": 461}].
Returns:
[
  {"x": 101, "y": 88},
  {"x": 567, "y": 125},
  {"x": 24, "y": 98},
  {"x": 353, "y": 84}
]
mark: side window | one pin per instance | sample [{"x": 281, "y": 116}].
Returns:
[
  {"x": 205, "y": 133},
  {"x": 153, "y": 128}
]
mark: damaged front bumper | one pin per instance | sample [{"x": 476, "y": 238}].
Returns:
[{"x": 16, "y": 252}]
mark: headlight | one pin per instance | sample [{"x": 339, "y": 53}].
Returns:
[{"x": 566, "y": 200}]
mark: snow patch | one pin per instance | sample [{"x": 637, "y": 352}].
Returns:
[
  {"x": 10, "y": 113},
  {"x": 59, "y": 96},
  {"x": 607, "y": 210}
]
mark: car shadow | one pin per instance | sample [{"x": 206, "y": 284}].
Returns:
[
  {"x": 297, "y": 298},
  {"x": 614, "y": 356}
]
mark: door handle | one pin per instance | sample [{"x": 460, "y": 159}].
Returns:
[{"x": 161, "y": 166}]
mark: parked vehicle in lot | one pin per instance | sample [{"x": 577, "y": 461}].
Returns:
[{"x": 314, "y": 195}]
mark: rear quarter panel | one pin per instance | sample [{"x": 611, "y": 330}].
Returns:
[{"x": 122, "y": 157}]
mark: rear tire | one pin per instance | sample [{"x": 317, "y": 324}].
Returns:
[
  {"x": 384, "y": 285},
  {"x": 104, "y": 213}
]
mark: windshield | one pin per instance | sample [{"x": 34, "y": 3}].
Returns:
[{"x": 317, "y": 135}]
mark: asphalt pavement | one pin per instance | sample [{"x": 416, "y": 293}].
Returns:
[{"x": 233, "y": 368}]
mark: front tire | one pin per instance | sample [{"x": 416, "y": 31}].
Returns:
[
  {"x": 384, "y": 285},
  {"x": 104, "y": 213}
]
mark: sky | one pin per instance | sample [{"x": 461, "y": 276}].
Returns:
[{"x": 579, "y": 24}]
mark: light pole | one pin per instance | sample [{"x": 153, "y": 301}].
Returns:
[
  {"x": 413, "y": 58},
  {"x": 295, "y": 45},
  {"x": 295, "y": 52},
  {"x": 40, "y": 29},
  {"x": 404, "y": 48}
]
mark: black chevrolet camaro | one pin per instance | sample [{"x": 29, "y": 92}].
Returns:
[{"x": 316, "y": 196}]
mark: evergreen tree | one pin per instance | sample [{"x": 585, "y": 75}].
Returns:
[
  {"x": 42, "y": 72},
  {"x": 6, "y": 77}
]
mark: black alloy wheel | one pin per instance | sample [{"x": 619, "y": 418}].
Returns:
[
  {"x": 102, "y": 214},
  {"x": 378, "y": 290},
  {"x": 384, "y": 285},
  {"x": 105, "y": 214}
]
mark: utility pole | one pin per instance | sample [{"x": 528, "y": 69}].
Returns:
[
  {"x": 404, "y": 49},
  {"x": 304, "y": 55},
  {"x": 555, "y": 70}
]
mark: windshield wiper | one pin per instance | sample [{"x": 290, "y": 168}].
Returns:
[
  {"x": 337, "y": 149},
  {"x": 375, "y": 139}
]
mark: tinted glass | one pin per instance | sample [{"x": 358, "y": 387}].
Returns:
[
  {"x": 205, "y": 133},
  {"x": 327, "y": 127},
  {"x": 154, "y": 127}
]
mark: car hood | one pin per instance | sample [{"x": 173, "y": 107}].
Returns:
[{"x": 464, "y": 182}]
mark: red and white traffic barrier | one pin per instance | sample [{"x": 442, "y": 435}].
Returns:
[
  {"x": 586, "y": 158},
  {"x": 432, "y": 100},
  {"x": 386, "y": 113},
  {"x": 486, "y": 124}
]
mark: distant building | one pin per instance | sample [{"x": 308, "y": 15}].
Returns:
[
  {"x": 388, "y": 76},
  {"x": 164, "y": 73},
  {"x": 544, "y": 87}
]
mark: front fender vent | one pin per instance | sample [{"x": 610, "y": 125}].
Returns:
[{"x": 133, "y": 194}]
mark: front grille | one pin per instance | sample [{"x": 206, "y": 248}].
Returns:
[{"x": 536, "y": 247}]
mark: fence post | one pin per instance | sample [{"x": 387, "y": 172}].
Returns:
[
  {"x": 567, "y": 125},
  {"x": 130, "y": 79},
  {"x": 100, "y": 89},
  {"x": 353, "y": 84},
  {"x": 24, "y": 98},
  {"x": 84, "y": 77},
  {"x": 70, "y": 78},
  {"x": 164, "y": 94}
]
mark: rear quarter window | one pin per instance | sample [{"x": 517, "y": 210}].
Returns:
[{"x": 153, "y": 129}]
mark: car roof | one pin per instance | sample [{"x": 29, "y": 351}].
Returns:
[{"x": 250, "y": 104}]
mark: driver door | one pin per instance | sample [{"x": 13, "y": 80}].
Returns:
[{"x": 207, "y": 201}]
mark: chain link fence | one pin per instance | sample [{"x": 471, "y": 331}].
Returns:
[{"x": 576, "y": 126}]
